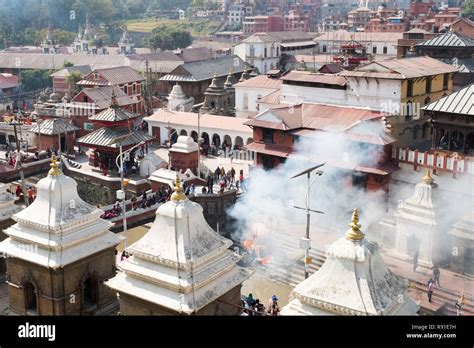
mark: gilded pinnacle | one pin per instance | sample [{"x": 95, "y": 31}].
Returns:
[
  {"x": 178, "y": 194},
  {"x": 427, "y": 179},
  {"x": 354, "y": 233},
  {"x": 55, "y": 170}
]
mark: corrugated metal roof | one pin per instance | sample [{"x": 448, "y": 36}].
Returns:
[
  {"x": 114, "y": 76},
  {"x": 205, "y": 69},
  {"x": 260, "y": 81},
  {"x": 175, "y": 118},
  {"x": 268, "y": 149},
  {"x": 302, "y": 76},
  {"x": 82, "y": 69},
  {"x": 460, "y": 102},
  {"x": 53, "y": 126},
  {"x": 113, "y": 115},
  {"x": 376, "y": 75},
  {"x": 15, "y": 60},
  {"x": 272, "y": 98},
  {"x": 407, "y": 67},
  {"x": 114, "y": 136},
  {"x": 450, "y": 39},
  {"x": 8, "y": 81},
  {"x": 102, "y": 96}
]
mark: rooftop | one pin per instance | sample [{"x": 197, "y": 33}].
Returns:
[
  {"x": 206, "y": 69},
  {"x": 460, "y": 102},
  {"x": 53, "y": 126},
  {"x": 112, "y": 76},
  {"x": 101, "y": 96},
  {"x": 449, "y": 39},
  {"x": 206, "y": 121},
  {"x": 113, "y": 137},
  {"x": 304, "y": 76},
  {"x": 405, "y": 67},
  {"x": 260, "y": 81}
]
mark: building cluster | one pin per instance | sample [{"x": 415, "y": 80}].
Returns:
[{"x": 391, "y": 82}]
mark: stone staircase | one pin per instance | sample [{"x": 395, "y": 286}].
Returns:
[
  {"x": 286, "y": 264},
  {"x": 74, "y": 164}
]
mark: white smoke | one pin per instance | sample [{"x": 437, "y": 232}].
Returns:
[{"x": 271, "y": 194}]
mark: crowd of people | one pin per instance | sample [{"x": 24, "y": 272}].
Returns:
[
  {"x": 253, "y": 307},
  {"x": 225, "y": 179},
  {"x": 143, "y": 201}
]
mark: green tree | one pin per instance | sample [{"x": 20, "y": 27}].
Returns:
[
  {"x": 67, "y": 64},
  {"x": 469, "y": 9},
  {"x": 166, "y": 39},
  {"x": 72, "y": 79},
  {"x": 32, "y": 80}
]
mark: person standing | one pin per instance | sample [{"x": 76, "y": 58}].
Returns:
[
  {"x": 415, "y": 261},
  {"x": 436, "y": 275},
  {"x": 273, "y": 308},
  {"x": 232, "y": 174},
  {"x": 430, "y": 290}
]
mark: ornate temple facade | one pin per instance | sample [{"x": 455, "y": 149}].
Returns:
[
  {"x": 180, "y": 267},
  {"x": 59, "y": 253},
  {"x": 354, "y": 280}
]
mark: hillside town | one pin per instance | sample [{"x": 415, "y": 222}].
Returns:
[{"x": 238, "y": 158}]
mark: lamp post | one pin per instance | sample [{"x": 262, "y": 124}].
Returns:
[
  {"x": 169, "y": 144},
  {"x": 305, "y": 242},
  {"x": 199, "y": 144},
  {"x": 121, "y": 194}
]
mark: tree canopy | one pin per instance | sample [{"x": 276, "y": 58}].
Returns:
[
  {"x": 165, "y": 39},
  {"x": 32, "y": 80}
]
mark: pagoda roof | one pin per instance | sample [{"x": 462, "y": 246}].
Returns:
[
  {"x": 114, "y": 114},
  {"x": 112, "y": 137},
  {"x": 53, "y": 126}
]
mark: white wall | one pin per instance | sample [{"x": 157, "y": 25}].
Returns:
[
  {"x": 254, "y": 54},
  {"x": 333, "y": 47},
  {"x": 296, "y": 94},
  {"x": 253, "y": 93},
  {"x": 373, "y": 94}
]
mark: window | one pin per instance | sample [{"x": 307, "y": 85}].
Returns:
[
  {"x": 428, "y": 85},
  {"x": 374, "y": 50},
  {"x": 85, "y": 99},
  {"x": 409, "y": 88},
  {"x": 278, "y": 51},
  {"x": 246, "y": 102},
  {"x": 445, "y": 81},
  {"x": 267, "y": 135},
  {"x": 125, "y": 89},
  {"x": 408, "y": 111},
  {"x": 265, "y": 53},
  {"x": 385, "y": 50},
  {"x": 134, "y": 89},
  {"x": 324, "y": 48}
]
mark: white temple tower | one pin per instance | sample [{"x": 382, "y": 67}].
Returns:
[
  {"x": 354, "y": 280},
  {"x": 415, "y": 222},
  {"x": 180, "y": 267},
  {"x": 59, "y": 253},
  {"x": 178, "y": 101}
]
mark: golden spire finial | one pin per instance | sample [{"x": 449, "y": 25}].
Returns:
[
  {"x": 178, "y": 194},
  {"x": 427, "y": 179},
  {"x": 54, "y": 166},
  {"x": 354, "y": 233}
]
